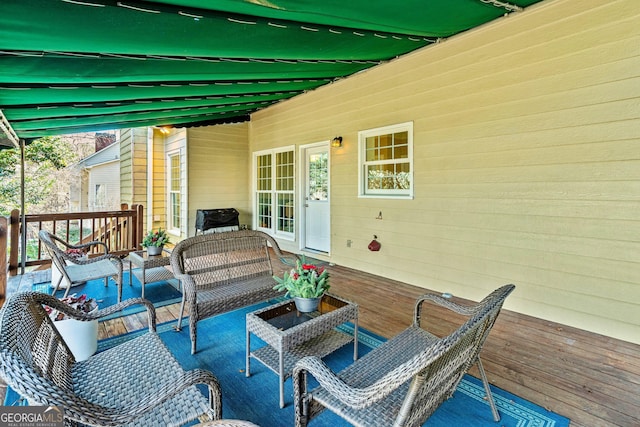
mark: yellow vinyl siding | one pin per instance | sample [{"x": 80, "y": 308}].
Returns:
[
  {"x": 218, "y": 170},
  {"x": 526, "y": 160},
  {"x": 126, "y": 182},
  {"x": 139, "y": 162}
]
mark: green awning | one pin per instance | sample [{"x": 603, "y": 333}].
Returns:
[{"x": 76, "y": 65}]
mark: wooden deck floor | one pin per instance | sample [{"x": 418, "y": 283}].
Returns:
[{"x": 591, "y": 379}]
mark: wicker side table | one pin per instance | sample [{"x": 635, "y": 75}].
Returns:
[
  {"x": 291, "y": 335},
  {"x": 151, "y": 268}
]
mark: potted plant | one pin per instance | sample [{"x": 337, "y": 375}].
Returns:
[
  {"x": 306, "y": 283},
  {"x": 154, "y": 241},
  {"x": 81, "y": 336}
]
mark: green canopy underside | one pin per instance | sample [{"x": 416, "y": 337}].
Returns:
[
  {"x": 60, "y": 95},
  {"x": 54, "y": 69},
  {"x": 67, "y": 65}
]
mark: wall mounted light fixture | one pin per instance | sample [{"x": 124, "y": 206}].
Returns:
[{"x": 337, "y": 141}]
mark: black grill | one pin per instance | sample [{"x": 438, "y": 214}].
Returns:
[{"x": 207, "y": 219}]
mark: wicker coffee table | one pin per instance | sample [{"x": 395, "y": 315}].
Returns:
[{"x": 291, "y": 335}]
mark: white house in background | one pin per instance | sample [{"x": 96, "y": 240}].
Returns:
[{"x": 100, "y": 180}]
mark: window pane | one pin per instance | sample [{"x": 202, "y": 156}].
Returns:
[
  {"x": 374, "y": 176},
  {"x": 385, "y": 153},
  {"x": 318, "y": 177},
  {"x": 284, "y": 171},
  {"x": 386, "y": 141},
  {"x": 401, "y": 145},
  {"x": 175, "y": 210},
  {"x": 175, "y": 176},
  {"x": 401, "y": 152},
  {"x": 372, "y": 148},
  {"x": 264, "y": 210},
  {"x": 285, "y": 213},
  {"x": 175, "y": 173},
  {"x": 401, "y": 138},
  {"x": 403, "y": 177},
  {"x": 389, "y": 177},
  {"x": 264, "y": 172}
]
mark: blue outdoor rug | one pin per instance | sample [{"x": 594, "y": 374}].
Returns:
[
  {"x": 159, "y": 293},
  {"x": 221, "y": 349}
]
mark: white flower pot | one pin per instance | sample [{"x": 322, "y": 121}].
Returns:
[{"x": 80, "y": 336}]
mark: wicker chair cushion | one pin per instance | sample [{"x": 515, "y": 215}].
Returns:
[
  {"x": 399, "y": 350},
  {"x": 96, "y": 270},
  {"x": 160, "y": 370}
]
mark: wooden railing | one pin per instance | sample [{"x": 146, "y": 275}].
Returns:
[{"x": 120, "y": 230}]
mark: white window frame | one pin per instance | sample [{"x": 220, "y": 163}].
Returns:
[
  {"x": 171, "y": 226},
  {"x": 363, "y": 191},
  {"x": 273, "y": 230}
]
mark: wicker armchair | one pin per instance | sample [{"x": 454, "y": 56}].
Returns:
[
  {"x": 76, "y": 270},
  {"x": 137, "y": 382},
  {"x": 404, "y": 380}
]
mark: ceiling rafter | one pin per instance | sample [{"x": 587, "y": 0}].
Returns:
[
  {"x": 98, "y": 109},
  {"x": 17, "y": 86},
  {"x": 44, "y": 54}
]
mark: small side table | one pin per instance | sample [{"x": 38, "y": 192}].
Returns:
[{"x": 152, "y": 268}]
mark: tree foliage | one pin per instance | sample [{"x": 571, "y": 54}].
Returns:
[{"x": 45, "y": 161}]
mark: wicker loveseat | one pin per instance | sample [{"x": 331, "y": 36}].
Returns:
[
  {"x": 221, "y": 272},
  {"x": 137, "y": 382},
  {"x": 404, "y": 380}
]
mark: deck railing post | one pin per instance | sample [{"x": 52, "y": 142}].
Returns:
[
  {"x": 14, "y": 241},
  {"x": 139, "y": 225}
]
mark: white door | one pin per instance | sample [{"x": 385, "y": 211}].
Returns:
[{"x": 316, "y": 199}]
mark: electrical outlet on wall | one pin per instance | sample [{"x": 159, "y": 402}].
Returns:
[{"x": 349, "y": 243}]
